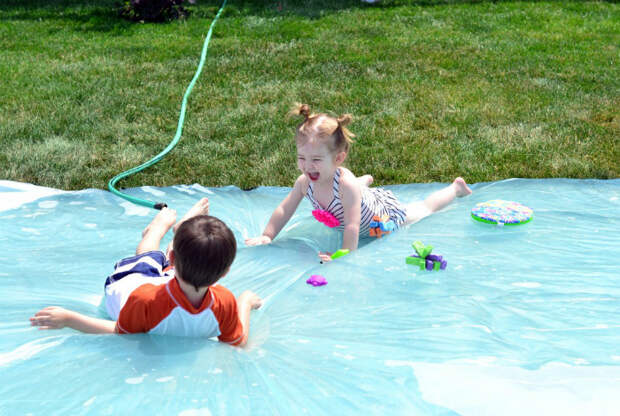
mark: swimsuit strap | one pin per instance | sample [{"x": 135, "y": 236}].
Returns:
[
  {"x": 337, "y": 184},
  {"x": 310, "y": 195},
  {"x": 335, "y": 187}
]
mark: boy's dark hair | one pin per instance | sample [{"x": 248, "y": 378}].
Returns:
[{"x": 204, "y": 249}]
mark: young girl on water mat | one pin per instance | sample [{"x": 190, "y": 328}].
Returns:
[{"x": 340, "y": 199}]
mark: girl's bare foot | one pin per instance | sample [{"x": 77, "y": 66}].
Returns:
[
  {"x": 460, "y": 187},
  {"x": 200, "y": 208},
  {"x": 365, "y": 180}
]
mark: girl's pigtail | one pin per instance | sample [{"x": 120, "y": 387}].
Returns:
[
  {"x": 343, "y": 121},
  {"x": 301, "y": 110}
]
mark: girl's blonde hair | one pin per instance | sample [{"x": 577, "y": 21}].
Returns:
[{"x": 324, "y": 127}]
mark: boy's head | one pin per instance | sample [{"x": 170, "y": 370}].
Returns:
[
  {"x": 204, "y": 248},
  {"x": 323, "y": 128}
]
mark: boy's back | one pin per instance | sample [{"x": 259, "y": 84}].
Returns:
[{"x": 143, "y": 296}]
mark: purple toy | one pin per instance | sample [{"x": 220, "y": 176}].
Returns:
[
  {"x": 425, "y": 259},
  {"x": 431, "y": 259},
  {"x": 316, "y": 280}
]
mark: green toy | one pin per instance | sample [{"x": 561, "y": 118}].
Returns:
[
  {"x": 425, "y": 259},
  {"x": 340, "y": 253}
]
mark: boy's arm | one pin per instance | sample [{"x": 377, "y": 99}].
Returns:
[
  {"x": 245, "y": 303},
  {"x": 282, "y": 214},
  {"x": 352, "y": 205},
  {"x": 54, "y": 317}
]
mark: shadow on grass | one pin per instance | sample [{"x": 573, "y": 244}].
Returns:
[
  {"x": 103, "y": 16},
  {"x": 87, "y": 15}
]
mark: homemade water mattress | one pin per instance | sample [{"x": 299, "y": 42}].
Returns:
[{"x": 524, "y": 320}]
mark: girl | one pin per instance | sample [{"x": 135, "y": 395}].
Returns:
[{"x": 339, "y": 198}]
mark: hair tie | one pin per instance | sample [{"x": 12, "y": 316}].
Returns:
[
  {"x": 304, "y": 110},
  {"x": 344, "y": 119}
]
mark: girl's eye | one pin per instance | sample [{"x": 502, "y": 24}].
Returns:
[{"x": 316, "y": 160}]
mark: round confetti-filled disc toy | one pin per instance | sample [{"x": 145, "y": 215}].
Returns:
[{"x": 501, "y": 212}]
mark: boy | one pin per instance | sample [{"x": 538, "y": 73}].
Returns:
[{"x": 144, "y": 294}]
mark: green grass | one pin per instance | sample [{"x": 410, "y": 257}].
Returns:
[{"x": 438, "y": 89}]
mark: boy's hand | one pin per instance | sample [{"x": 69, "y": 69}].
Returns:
[
  {"x": 257, "y": 241},
  {"x": 252, "y": 299},
  {"x": 325, "y": 256},
  {"x": 52, "y": 317}
]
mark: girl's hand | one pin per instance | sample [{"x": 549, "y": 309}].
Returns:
[
  {"x": 325, "y": 256},
  {"x": 257, "y": 241},
  {"x": 51, "y": 317}
]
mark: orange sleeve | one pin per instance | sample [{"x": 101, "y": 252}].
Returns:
[
  {"x": 225, "y": 310},
  {"x": 145, "y": 308},
  {"x": 132, "y": 318}
]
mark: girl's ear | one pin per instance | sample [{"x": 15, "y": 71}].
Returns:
[{"x": 340, "y": 157}]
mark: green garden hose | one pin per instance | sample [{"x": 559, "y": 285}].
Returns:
[{"x": 177, "y": 136}]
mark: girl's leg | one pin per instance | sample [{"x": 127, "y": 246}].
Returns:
[
  {"x": 437, "y": 200},
  {"x": 365, "y": 180}
]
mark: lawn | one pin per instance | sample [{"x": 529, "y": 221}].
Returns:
[{"x": 438, "y": 89}]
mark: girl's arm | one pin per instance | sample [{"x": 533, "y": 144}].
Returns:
[
  {"x": 351, "y": 196},
  {"x": 282, "y": 213},
  {"x": 54, "y": 317}
]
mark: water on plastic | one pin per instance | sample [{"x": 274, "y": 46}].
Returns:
[{"x": 525, "y": 320}]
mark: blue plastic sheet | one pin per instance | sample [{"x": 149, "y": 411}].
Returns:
[{"x": 525, "y": 320}]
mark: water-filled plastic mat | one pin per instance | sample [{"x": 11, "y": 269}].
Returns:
[{"x": 525, "y": 320}]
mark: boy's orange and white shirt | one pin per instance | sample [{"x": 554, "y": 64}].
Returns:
[{"x": 142, "y": 297}]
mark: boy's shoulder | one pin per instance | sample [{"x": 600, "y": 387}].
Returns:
[
  {"x": 146, "y": 306},
  {"x": 165, "y": 309},
  {"x": 156, "y": 295},
  {"x": 169, "y": 295},
  {"x": 222, "y": 299},
  {"x": 151, "y": 294},
  {"x": 218, "y": 290}
]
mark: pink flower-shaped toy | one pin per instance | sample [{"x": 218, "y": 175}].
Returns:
[
  {"x": 316, "y": 280},
  {"x": 326, "y": 218}
]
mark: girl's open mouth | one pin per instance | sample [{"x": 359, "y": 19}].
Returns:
[{"x": 313, "y": 176}]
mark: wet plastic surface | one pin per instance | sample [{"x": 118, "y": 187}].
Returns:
[{"x": 524, "y": 320}]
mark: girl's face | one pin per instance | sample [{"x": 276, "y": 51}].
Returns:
[{"x": 317, "y": 162}]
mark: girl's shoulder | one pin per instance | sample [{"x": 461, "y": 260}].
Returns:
[
  {"x": 302, "y": 183},
  {"x": 349, "y": 185}
]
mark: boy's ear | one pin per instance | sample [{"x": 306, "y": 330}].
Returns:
[
  {"x": 225, "y": 272},
  {"x": 171, "y": 257},
  {"x": 340, "y": 157}
]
